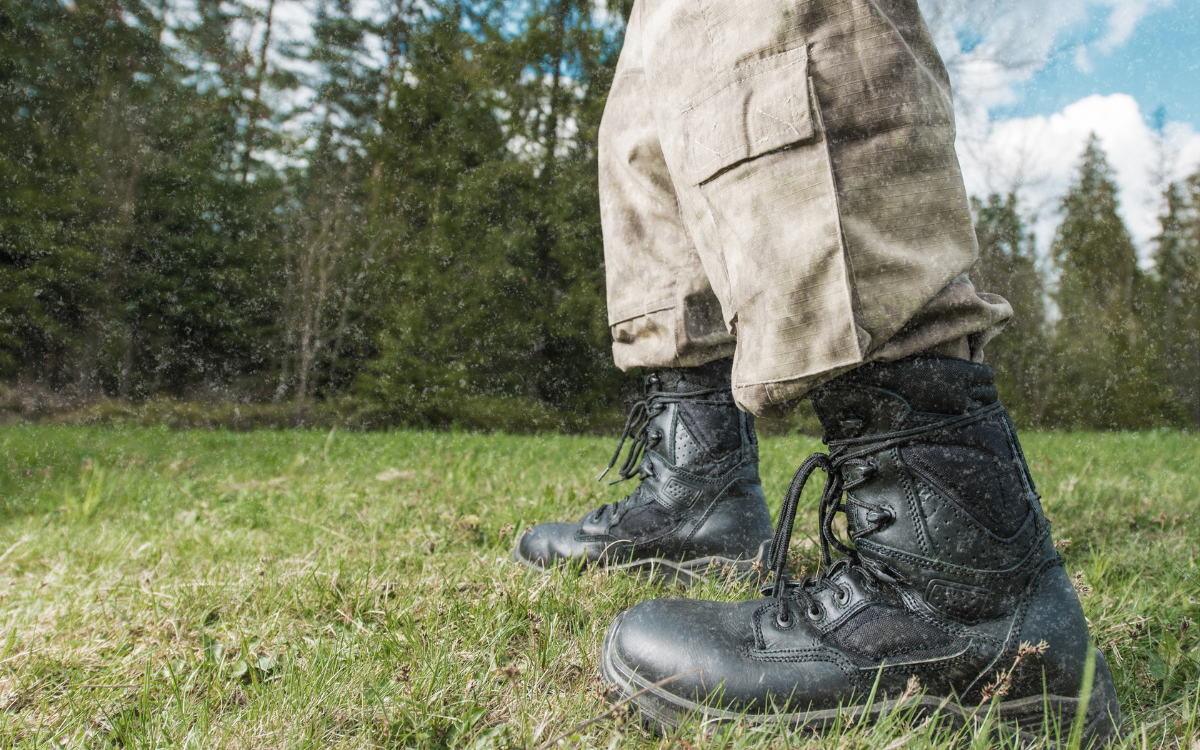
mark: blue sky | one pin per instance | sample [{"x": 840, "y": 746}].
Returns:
[
  {"x": 1033, "y": 79},
  {"x": 1159, "y": 65}
]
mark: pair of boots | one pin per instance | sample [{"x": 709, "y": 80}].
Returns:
[{"x": 952, "y": 577}]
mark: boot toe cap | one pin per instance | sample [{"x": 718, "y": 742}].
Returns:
[
  {"x": 709, "y": 648},
  {"x": 692, "y": 642},
  {"x": 549, "y": 544}
]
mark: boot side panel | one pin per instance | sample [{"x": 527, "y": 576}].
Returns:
[
  {"x": 738, "y": 520},
  {"x": 1052, "y": 614},
  {"x": 954, "y": 514}
]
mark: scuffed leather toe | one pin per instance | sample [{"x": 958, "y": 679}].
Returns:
[
  {"x": 549, "y": 544},
  {"x": 666, "y": 637}
]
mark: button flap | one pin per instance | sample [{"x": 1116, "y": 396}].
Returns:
[{"x": 758, "y": 107}]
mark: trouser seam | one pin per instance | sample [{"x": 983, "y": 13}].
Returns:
[{"x": 627, "y": 315}]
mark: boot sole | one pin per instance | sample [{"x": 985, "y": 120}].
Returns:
[
  {"x": 686, "y": 572},
  {"x": 1031, "y": 720}
]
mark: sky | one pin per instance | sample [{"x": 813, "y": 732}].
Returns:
[{"x": 1033, "y": 78}]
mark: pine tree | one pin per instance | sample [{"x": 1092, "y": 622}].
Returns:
[
  {"x": 498, "y": 302},
  {"x": 1104, "y": 368},
  {"x": 569, "y": 360},
  {"x": 1008, "y": 266},
  {"x": 1175, "y": 310},
  {"x": 327, "y": 256},
  {"x": 128, "y": 265}
]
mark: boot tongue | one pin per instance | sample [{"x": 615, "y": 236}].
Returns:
[
  {"x": 716, "y": 374},
  {"x": 881, "y": 396},
  {"x": 936, "y": 385}
]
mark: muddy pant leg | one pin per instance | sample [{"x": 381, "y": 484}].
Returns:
[
  {"x": 809, "y": 148},
  {"x": 661, "y": 307}
]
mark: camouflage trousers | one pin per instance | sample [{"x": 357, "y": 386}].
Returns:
[{"x": 778, "y": 182}]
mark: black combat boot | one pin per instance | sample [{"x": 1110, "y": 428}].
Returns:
[
  {"x": 699, "y": 507},
  {"x": 952, "y": 579}
]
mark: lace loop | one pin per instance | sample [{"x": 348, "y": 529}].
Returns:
[{"x": 831, "y": 497}]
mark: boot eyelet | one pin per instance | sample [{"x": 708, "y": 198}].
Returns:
[
  {"x": 815, "y": 612},
  {"x": 655, "y": 436},
  {"x": 881, "y": 517},
  {"x": 842, "y": 595},
  {"x": 851, "y": 424},
  {"x": 783, "y": 618}
]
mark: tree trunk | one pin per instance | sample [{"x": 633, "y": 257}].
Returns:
[
  {"x": 127, "y": 363},
  {"x": 256, "y": 106}
]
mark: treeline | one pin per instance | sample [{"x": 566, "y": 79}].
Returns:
[
  {"x": 1107, "y": 345},
  {"x": 401, "y": 210},
  {"x": 399, "y": 216}
]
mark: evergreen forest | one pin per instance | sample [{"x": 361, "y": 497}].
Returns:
[{"x": 397, "y": 219}]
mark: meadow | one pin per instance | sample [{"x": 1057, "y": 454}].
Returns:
[{"x": 312, "y": 589}]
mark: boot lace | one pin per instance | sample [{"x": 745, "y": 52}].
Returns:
[
  {"x": 840, "y": 453},
  {"x": 642, "y": 437},
  {"x": 639, "y": 434}
]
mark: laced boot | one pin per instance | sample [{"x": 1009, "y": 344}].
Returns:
[
  {"x": 951, "y": 599},
  {"x": 699, "y": 507}
]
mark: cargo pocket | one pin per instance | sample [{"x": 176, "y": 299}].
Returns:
[
  {"x": 752, "y": 146},
  {"x": 757, "y": 108}
]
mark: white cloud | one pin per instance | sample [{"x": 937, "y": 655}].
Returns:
[
  {"x": 1124, "y": 19},
  {"x": 992, "y": 46},
  {"x": 1038, "y": 157}
]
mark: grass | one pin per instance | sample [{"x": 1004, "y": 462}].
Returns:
[{"x": 283, "y": 589}]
